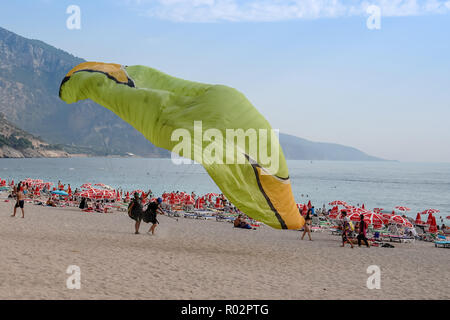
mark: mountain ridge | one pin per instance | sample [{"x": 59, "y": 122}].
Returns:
[
  {"x": 30, "y": 74},
  {"x": 16, "y": 143}
]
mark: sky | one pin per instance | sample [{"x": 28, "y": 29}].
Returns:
[{"x": 313, "y": 68}]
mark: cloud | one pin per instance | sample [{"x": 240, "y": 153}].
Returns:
[{"x": 280, "y": 10}]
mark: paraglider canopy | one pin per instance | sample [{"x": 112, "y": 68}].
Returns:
[{"x": 252, "y": 175}]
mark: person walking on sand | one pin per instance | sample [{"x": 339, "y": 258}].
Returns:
[
  {"x": 135, "y": 211},
  {"x": 345, "y": 230},
  {"x": 362, "y": 236},
  {"x": 150, "y": 213},
  {"x": 307, "y": 227},
  {"x": 20, "y": 201}
]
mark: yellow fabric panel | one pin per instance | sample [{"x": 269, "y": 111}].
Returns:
[
  {"x": 280, "y": 195},
  {"x": 112, "y": 69}
]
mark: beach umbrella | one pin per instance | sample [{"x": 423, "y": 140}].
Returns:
[
  {"x": 430, "y": 211},
  {"x": 199, "y": 203},
  {"x": 309, "y": 204},
  {"x": 354, "y": 216},
  {"x": 418, "y": 220},
  {"x": 218, "y": 203},
  {"x": 374, "y": 219},
  {"x": 430, "y": 218},
  {"x": 37, "y": 192},
  {"x": 385, "y": 217},
  {"x": 378, "y": 209},
  {"x": 334, "y": 213},
  {"x": 305, "y": 210},
  {"x": 401, "y": 208},
  {"x": 433, "y": 226},
  {"x": 189, "y": 200},
  {"x": 363, "y": 206},
  {"x": 357, "y": 210},
  {"x": 60, "y": 193},
  {"x": 400, "y": 220},
  {"x": 447, "y": 217},
  {"x": 337, "y": 203}
]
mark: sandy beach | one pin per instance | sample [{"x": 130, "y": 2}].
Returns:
[{"x": 196, "y": 259}]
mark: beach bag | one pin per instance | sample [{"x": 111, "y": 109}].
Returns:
[{"x": 351, "y": 226}]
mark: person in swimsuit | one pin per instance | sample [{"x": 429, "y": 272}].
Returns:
[
  {"x": 307, "y": 227},
  {"x": 50, "y": 202},
  {"x": 135, "y": 212},
  {"x": 240, "y": 222},
  {"x": 149, "y": 216},
  {"x": 20, "y": 201}
]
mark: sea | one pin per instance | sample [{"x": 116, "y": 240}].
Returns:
[{"x": 418, "y": 186}]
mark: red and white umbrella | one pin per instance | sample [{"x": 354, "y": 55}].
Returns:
[
  {"x": 338, "y": 203},
  {"x": 402, "y": 208},
  {"x": 374, "y": 219},
  {"x": 418, "y": 219},
  {"x": 428, "y": 211},
  {"x": 357, "y": 210},
  {"x": 400, "y": 220},
  {"x": 85, "y": 194},
  {"x": 387, "y": 215},
  {"x": 199, "y": 203},
  {"x": 430, "y": 218},
  {"x": 433, "y": 226},
  {"x": 334, "y": 214},
  {"x": 378, "y": 210},
  {"x": 355, "y": 216}
]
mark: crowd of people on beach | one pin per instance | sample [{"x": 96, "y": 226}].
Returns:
[
  {"x": 355, "y": 231},
  {"x": 144, "y": 207}
]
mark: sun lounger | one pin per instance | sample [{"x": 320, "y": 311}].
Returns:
[
  {"x": 122, "y": 208},
  {"x": 336, "y": 232},
  {"x": 174, "y": 214},
  {"x": 317, "y": 229},
  {"x": 400, "y": 239},
  {"x": 442, "y": 244},
  {"x": 431, "y": 237}
]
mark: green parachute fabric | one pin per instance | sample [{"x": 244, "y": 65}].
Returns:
[{"x": 168, "y": 111}]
